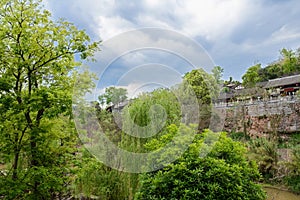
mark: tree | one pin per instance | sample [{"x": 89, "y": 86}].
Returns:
[
  {"x": 113, "y": 95},
  {"x": 148, "y": 115},
  {"x": 251, "y": 77},
  {"x": 223, "y": 174},
  {"x": 271, "y": 72},
  {"x": 37, "y": 70},
  {"x": 95, "y": 180},
  {"x": 288, "y": 64},
  {"x": 140, "y": 110},
  {"x": 289, "y": 61},
  {"x": 206, "y": 90},
  {"x": 217, "y": 73}
]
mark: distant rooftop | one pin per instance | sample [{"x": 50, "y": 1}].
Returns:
[{"x": 289, "y": 80}]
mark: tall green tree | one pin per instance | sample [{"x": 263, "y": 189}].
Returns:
[
  {"x": 113, "y": 95},
  {"x": 146, "y": 118},
  {"x": 37, "y": 70},
  {"x": 289, "y": 61},
  {"x": 217, "y": 73},
  {"x": 288, "y": 64},
  {"x": 205, "y": 89},
  {"x": 147, "y": 115},
  {"x": 251, "y": 77}
]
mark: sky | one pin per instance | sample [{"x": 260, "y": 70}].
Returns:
[{"x": 234, "y": 34}]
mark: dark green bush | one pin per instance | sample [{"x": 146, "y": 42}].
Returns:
[
  {"x": 223, "y": 173},
  {"x": 293, "y": 178}
]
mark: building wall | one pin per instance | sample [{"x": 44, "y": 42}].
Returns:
[{"x": 262, "y": 117}]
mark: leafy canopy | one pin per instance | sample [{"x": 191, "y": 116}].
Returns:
[
  {"x": 113, "y": 95},
  {"x": 38, "y": 70},
  {"x": 223, "y": 174},
  {"x": 251, "y": 77}
]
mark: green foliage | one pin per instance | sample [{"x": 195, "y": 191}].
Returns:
[
  {"x": 293, "y": 178},
  {"x": 113, "y": 95},
  {"x": 290, "y": 142},
  {"x": 109, "y": 126},
  {"x": 203, "y": 84},
  {"x": 149, "y": 115},
  {"x": 205, "y": 89},
  {"x": 139, "y": 109},
  {"x": 217, "y": 73},
  {"x": 223, "y": 174},
  {"x": 251, "y": 77},
  {"x": 271, "y": 71},
  {"x": 95, "y": 180},
  {"x": 288, "y": 64},
  {"x": 289, "y": 61},
  {"x": 37, "y": 70},
  {"x": 264, "y": 153},
  {"x": 275, "y": 171},
  {"x": 173, "y": 142},
  {"x": 231, "y": 81},
  {"x": 239, "y": 136}
]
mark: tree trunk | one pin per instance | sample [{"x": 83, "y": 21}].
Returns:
[{"x": 15, "y": 165}]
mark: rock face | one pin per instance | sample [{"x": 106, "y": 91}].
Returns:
[{"x": 263, "y": 117}]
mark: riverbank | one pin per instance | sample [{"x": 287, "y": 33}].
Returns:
[{"x": 280, "y": 194}]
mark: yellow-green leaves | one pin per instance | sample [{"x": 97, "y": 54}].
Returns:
[{"x": 37, "y": 69}]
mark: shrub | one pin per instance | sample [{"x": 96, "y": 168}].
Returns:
[
  {"x": 293, "y": 179},
  {"x": 223, "y": 173}
]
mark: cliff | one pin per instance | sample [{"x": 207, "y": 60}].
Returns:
[{"x": 262, "y": 117}]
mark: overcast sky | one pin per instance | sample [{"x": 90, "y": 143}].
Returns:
[{"x": 235, "y": 33}]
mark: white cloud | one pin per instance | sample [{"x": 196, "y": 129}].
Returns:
[
  {"x": 151, "y": 21},
  {"x": 236, "y": 32},
  {"x": 133, "y": 89},
  {"x": 112, "y": 26},
  {"x": 134, "y": 57},
  {"x": 285, "y": 33},
  {"x": 213, "y": 19}
]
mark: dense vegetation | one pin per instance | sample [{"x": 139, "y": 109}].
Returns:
[
  {"x": 41, "y": 156},
  {"x": 223, "y": 174},
  {"x": 265, "y": 152},
  {"x": 287, "y": 65},
  {"x": 37, "y": 69}
]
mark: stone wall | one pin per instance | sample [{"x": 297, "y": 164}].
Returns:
[{"x": 262, "y": 117}]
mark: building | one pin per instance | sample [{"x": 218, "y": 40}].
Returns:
[
  {"x": 283, "y": 86},
  {"x": 279, "y": 87}
]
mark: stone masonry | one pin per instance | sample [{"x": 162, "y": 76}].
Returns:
[{"x": 262, "y": 117}]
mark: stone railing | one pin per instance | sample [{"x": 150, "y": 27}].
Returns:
[{"x": 291, "y": 99}]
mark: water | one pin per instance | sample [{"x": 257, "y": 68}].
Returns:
[{"x": 275, "y": 194}]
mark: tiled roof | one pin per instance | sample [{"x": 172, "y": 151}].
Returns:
[
  {"x": 289, "y": 80},
  {"x": 261, "y": 84},
  {"x": 225, "y": 95},
  {"x": 254, "y": 92}
]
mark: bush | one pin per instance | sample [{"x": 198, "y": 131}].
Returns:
[
  {"x": 264, "y": 152},
  {"x": 223, "y": 174},
  {"x": 293, "y": 179},
  {"x": 239, "y": 136}
]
